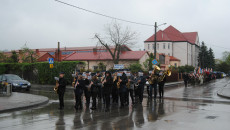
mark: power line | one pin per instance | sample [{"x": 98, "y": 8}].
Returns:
[{"x": 103, "y": 14}]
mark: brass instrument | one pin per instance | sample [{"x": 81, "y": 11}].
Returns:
[
  {"x": 153, "y": 78},
  {"x": 103, "y": 81},
  {"x": 128, "y": 84},
  {"x": 118, "y": 82},
  {"x": 74, "y": 80},
  {"x": 57, "y": 84},
  {"x": 167, "y": 72}
]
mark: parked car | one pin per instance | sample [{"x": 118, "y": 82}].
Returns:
[{"x": 15, "y": 81}]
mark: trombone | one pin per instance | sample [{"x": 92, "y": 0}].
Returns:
[{"x": 57, "y": 84}]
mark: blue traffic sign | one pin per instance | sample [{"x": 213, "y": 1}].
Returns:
[
  {"x": 51, "y": 60},
  {"x": 154, "y": 62}
]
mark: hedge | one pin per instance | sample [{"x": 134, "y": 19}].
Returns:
[{"x": 40, "y": 72}]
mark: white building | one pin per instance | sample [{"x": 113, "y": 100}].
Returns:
[{"x": 184, "y": 46}]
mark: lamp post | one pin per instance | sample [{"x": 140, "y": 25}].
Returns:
[{"x": 155, "y": 39}]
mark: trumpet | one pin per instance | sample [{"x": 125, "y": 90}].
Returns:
[
  {"x": 118, "y": 83},
  {"x": 57, "y": 84},
  {"x": 153, "y": 78},
  {"x": 74, "y": 79}
]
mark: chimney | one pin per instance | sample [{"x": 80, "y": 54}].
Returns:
[
  {"x": 94, "y": 51},
  {"x": 37, "y": 51}
]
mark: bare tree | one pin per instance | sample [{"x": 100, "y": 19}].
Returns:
[
  {"x": 115, "y": 39},
  {"x": 29, "y": 55}
]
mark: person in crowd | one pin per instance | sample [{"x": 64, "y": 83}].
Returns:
[
  {"x": 153, "y": 84},
  {"x": 185, "y": 77},
  {"x": 141, "y": 83},
  {"x": 161, "y": 84},
  {"x": 201, "y": 78},
  {"x": 78, "y": 90},
  {"x": 114, "y": 88},
  {"x": 108, "y": 83},
  {"x": 94, "y": 91},
  {"x": 86, "y": 88},
  {"x": 122, "y": 89},
  {"x": 61, "y": 90}
]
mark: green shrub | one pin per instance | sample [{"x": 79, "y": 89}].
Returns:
[{"x": 40, "y": 72}]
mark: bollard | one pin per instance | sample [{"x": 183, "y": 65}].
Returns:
[{"x": 8, "y": 90}]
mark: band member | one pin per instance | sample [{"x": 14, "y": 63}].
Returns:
[
  {"x": 61, "y": 90},
  {"x": 141, "y": 83},
  {"x": 99, "y": 78},
  {"x": 130, "y": 86},
  {"x": 136, "y": 84},
  {"x": 86, "y": 88},
  {"x": 161, "y": 84},
  {"x": 122, "y": 89},
  {"x": 114, "y": 88},
  {"x": 153, "y": 84},
  {"x": 78, "y": 89},
  {"x": 108, "y": 82},
  {"x": 186, "y": 78},
  {"x": 103, "y": 78},
  {"x": 94, "y": 91}
]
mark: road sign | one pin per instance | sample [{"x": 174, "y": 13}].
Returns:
[
  {"x": 51, "y": 60},
  {"x": 51, "y": 66},
  {"x": 154, "y": 62},
  {"x": 118, "y": 66}
]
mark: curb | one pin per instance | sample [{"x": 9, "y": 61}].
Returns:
[
  {"x": 193, "y": 99},
  {"x": 222, "y": 95},
  {"x": 25, "y": 107}
]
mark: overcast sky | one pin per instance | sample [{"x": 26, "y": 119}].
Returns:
[{"x": 42, "y": 23}]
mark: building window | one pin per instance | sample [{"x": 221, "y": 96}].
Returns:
[
  {"x": 168, "y": 46},
  {"x": 175, "y": 64},
  {"x": 148, "y": 46},
  {"x": 162, "y": 59},
  {"x": 164, "y": 46},
  {"x": 95, "y": 67},
  {"x": 153, "y": 46},
  {"x": 157, "y": 46}
]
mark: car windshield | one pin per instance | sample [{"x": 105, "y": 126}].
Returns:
[{"x": 13, "y": 77}]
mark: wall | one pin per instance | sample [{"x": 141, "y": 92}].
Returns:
[
  {"x": 109, "y": 64},
  {"x": 180, "y": 51},
  {"x": 172, "y": 63},
  {"x": 160, "y": 49}
]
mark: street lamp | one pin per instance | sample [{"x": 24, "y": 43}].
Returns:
[{"x": 155, "y": 39}]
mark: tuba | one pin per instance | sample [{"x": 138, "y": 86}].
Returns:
[
  {"x": 167, "y": 72},
  {"x": 57, "y": 84},
  {"x": 153, "y": 78}
]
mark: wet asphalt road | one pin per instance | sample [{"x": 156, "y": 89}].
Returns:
[{"x": 159, "y": 115}]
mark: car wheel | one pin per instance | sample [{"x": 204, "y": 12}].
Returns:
[{"x": 27, "y": 89}]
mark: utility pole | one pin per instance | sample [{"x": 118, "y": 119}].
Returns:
[
  {"x": 155, "y": 41},
  {"x": 58, "y": 59}
]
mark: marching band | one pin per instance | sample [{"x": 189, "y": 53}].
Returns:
[{"x": 120, "y": 85}]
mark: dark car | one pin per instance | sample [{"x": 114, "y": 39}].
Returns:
[{"x": 15, "y": 81}]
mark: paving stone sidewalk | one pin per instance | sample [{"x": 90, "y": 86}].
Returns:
[{"x": 19, "y": 101}]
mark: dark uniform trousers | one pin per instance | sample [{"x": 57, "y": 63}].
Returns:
[
  {"x": 61, "y": 99},
  {"x": 115, "y": 94},
  {"x": 130, "y": 93},
  {"x": 78, "y": 98},
  {"x": 141, "y": 91},
  {"x": 161, "y": 89}
]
